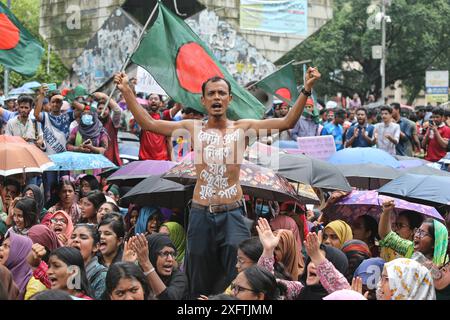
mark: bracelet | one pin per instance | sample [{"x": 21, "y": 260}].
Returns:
[
  {"x": 306, "y": 93},
  {"x": 148, "y": 272}
]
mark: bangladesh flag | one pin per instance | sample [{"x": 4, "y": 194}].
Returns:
[
  {"x": 19, "y": 50},
  {"x": 180, "y": 62},
  {"x": 282, "y": 84}
]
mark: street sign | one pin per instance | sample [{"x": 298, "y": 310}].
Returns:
[{"x": 377, "y": 52}]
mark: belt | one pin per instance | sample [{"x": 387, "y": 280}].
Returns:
[{"x": 218, "y": 208}]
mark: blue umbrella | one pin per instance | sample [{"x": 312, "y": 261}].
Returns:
[
  {"x": 31, "y": 85},
  {"x": 21, "y": 90},
  {"x": 364, "y": 155},
  {"x": 79, "y": 161},
  {"x": 425, "y": 189}
]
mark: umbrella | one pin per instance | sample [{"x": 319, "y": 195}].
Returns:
[
  {"x": 18, "y": 156},
  {"x": 21, "y": 90},
  {"x": 368, "y": 176},
  {"x": 317, "y": 173},
  {"x": 136, "y": 171},
  {"x": 157, "y": 191},
  {"x": 359, "y": 203},
  {"x": 255, "y": 181},
  {"x": 79, "y": 161},
  {"x": 129, "y": 150},
  {"x": 364, "y": 155},
  {"x": 429, "y": 190},
  {"x": 106, "y": 173},
  {"x": 31, "y": 85},
  {"x": 427, "y": 171},
  {"x": 127, "y": 136}
]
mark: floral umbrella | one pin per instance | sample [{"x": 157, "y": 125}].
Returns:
[
  {"x": 255, "y": 181},
  {"x": 359, "y": 203}
]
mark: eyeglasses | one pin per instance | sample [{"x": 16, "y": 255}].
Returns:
[
  {"x": 236, "y": 289},
  {"x": 166, "y": 254},
  {"x": 63, "y": 221},
  {"x": 421, "y": 233}
]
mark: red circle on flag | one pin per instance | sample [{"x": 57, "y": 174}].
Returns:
[
  {"x": 285, "y": 93},
  {"x": 10, "y": 33},
  {"x": 195, "y": 66}
]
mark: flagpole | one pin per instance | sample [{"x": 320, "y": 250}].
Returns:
[
  {"x": 124, "y": 65},
  {"x": 6, "y": 73}
]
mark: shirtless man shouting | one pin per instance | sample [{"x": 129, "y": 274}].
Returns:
[{"x": 216, "y": 221}]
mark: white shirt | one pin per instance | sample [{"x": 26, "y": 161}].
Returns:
[
  {"x": 14, "y": 127},
  {"x": 393, "y": 129}
]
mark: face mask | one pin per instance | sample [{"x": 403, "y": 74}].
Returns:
[
  {"x": 87, "y": 119},
  {"x": 262, "y": 210}
]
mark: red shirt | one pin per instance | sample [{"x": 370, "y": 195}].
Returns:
[
  {"x": 153, "y": 146},
  {"x": 435, "y": 152}
]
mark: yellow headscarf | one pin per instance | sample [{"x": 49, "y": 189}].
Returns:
[{"x": 342, "y": 230}]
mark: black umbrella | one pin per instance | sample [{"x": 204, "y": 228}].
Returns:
[
  {"x": 428, "y": 171},
  {"x": 157, "y": 191},
  {"x": 368, "y": 176},
  {"x": 301, "y": 168},
  {"x": 429, "y": 190},
  {"x": 127, "y": 136}
]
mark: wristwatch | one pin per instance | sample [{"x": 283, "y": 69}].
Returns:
[{"x": 306, "y": 93}]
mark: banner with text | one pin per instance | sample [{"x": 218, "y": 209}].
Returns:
[
  {"x": 320, "y": 147},
  {"x": 146, "y": 83},
  {"x": 436, "y": 83},
  {"x": 278, "y": 16}
]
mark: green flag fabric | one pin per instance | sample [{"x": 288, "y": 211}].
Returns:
[
  {"x": 19, "y": 50},
  {"x": 180, "y": 62},
  {"x": 281, "y": 83}
]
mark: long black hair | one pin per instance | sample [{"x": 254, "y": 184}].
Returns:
[
  {"x": 73, "y": 257},
  {"x": 124, "y": 270},
  {"x": 252, "y": 248},
  {"x": 29, "y": 210},
  {"x": 262, "y": 281}
]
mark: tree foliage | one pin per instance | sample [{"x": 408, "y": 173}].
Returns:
[
  {"x": 417, "y": 39},
  {"x": 27, "y": 11}
]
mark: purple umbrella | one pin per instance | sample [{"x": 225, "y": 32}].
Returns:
[
  {"x": 359, "y": 203},
  {"x": 136, "y": 171}
]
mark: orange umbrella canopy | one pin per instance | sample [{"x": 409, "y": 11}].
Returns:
[{"x": 18, "y": 156}]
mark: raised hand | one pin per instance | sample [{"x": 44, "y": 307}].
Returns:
[
  {"x": 36, "y": 254},
  {"x": 357, "y": 286},
  {"x": 129, "y": 255},
  {"x": 311, "y": 77},
  {"x": 121, "y": 79},
  {"x": 388, "y": 205},
  {"x": 266, "y": 236},
  {"x": 312, "y": 246},
  {"x": 139, "y": 245},
  {"x": 62, "y": 238}
]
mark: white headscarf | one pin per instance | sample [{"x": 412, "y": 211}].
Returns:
[{"x": 409, "y": 280}]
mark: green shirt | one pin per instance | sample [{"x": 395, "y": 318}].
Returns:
[{"x": 397, "y": 243}]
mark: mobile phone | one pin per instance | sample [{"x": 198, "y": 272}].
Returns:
[
  {"x": 431, "y": 123},
  {"x": 87, "y": 141},
  {"x": 52, "y": 86}
]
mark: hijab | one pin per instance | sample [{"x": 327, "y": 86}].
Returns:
[
  {"x": 285, "y": 222},
  {"x": 342, "y": 230},
  {"x": 69, "y": 228},
  {"x": 17, "y": 261},
  {"x": 345, "y": 294},
  {"x": 178, "y": 238},
  {"x": 339, "y": 261},
  {"x": 145, "y": 214},
  {"x": 440, "y": 243},
  {"x": 409, "y": 280},
  {"x": 8, "y": 284},
  {"x": 38, "y": 197},
  {"x": 156, "y": 242},
  {"x": 44, "y": 236},
  {"x": 291, "y": 259},
  {"x": 93, "y": 130},
  {"x": 370, "y": 271}
]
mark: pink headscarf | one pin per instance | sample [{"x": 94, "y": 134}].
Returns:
[
  {"x": 285, "y": 222},
  {"x": 69, "y": 228}
]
